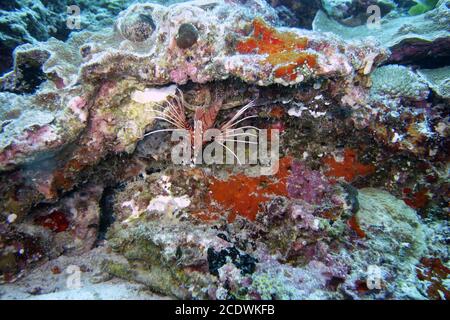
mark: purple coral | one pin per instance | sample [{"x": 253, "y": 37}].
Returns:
[
  {"x": 306, "y": 216},
  {"x": 306, "y": 184}
]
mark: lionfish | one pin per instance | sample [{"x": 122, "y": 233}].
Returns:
[{"x": 204, "y": 119}]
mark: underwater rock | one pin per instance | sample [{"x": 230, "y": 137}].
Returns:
[
  {"x": 207, "y": 64},
  {"x": 84, "y": 218},
  {"x": 410, "y": 38},
  {"x": 187, "y": 36},
  {"x": 182, "y": 256},
  {"x": 15, "y": 24},
  {"x": 283, "y": 282},
  {"x": 173, "y": 256},
  {"x": 22, "y": 248},
  {"x": 306, "y": 184},
  {"x": 73, "y": 221},
  {"x": 69, "y": 227},
  {"x": 36, "y": 127},
  {"x": 53, "y": 64},
  {"x": 48, "y": 281}
]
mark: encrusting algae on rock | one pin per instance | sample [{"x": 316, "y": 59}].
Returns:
[{"x": 284, "y": 50}]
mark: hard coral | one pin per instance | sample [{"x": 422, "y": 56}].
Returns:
[
  {"x": 409, "y": 39},
  {"x": 285, "y": 50},
  {"x": 395, "y": 81}
]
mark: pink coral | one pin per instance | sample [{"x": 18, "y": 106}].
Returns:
[
  {"x": 77, "y": 105},
  {"x": 182, "y": 74}
]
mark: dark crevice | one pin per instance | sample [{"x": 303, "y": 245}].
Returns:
[
  {"x": 424, "y": 55},
  {"x": 27, "y": 79},
  {"x": 106, "y": 212},
  {"x": 32, "y": 77},
  {"x": 9, "y": 5},
  {"x": 294, "y": 13},
  {"x": 6, "y": 59},
  {"x": 430, "y": 63}
]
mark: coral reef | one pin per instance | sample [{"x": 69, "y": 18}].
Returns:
[
  {"x": 358, "y": 204},
  {"x": 391, "y": 230},
  {"x": 353, "y": 12},
  {"x": 204, "y": 257},
  {"x": 410, "y": 38},
  {"x": 437, "y": 80},
  {"x": 119, "y": 125},
  {"x": 25, "y": 21},
  {"x": 395, "y": 82}
]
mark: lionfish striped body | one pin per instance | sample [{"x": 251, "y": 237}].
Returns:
[{"x": 204, "y": 119}]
